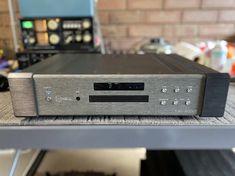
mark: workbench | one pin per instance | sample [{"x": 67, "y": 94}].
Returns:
[{"x": 117, "y": 132}]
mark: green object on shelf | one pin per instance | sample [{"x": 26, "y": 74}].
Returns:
[{"x": 27, "y": 24}]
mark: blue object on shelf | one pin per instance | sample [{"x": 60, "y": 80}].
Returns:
[
  {"x": 56, "y": 8},
  {"x": 4, "y": 64}
]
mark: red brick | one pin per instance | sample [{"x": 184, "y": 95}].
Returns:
[
  {"x": 192, "y": 40},
  {"x": 171, "y": 4},
  {"x": 103, "y": 17},
  {"x": 218, "y": 3},
  {"x": 126, "y": 44},
  {"x": 3, "y": 6},
  {"x": 172, "y": 40},
  {"x": 17, "y": 15},
  {"x": 111, "y": 4},
  {"x": 145, "y": 31},
  {"x": 5, "y": 32},
  {"x": 163, "y": 17},
  {"x": 126, "y": 17},
  {"x": 200, "y": 16},
  {"x": 216, "y": 30},
  {"x": 4, "y": 19},
  {"x": 227, "y": 15},
  {"x": 145, "y": 4},
  {"x": 6, "y": 43},
  {"x": 16, "y": 6},
  {"x": 180, "y": 30},
  {"x": 114, "y": 31}
]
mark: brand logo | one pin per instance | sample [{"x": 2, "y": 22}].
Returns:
[{"x": 60, "y": 99}]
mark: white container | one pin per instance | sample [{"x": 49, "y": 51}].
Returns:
[{"x": 219, "y": 55}]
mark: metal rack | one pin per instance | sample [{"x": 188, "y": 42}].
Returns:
[
  {"x": 117, "y": 132},
  {"x": 207, "y": 163}
]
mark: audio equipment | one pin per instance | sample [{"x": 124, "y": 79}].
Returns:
[
  {"x": 3, "y": 83},
  {"x": 28, "y": 58},
  {"x": 92, "y": 84},
  {"x": 58, "y": 33},
  {"x": 58, "y": 24}
]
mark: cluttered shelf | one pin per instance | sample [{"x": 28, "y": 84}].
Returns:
[{"x": 107, "y": 131}]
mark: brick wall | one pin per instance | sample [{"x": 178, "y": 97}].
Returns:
[
  {"x": 5, "y": 31},
  {"x": 126, "y": 23}
]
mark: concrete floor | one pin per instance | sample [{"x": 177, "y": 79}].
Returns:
[
  {"x": 123, "y": 162},
  {"x": 6, "y": 158}
]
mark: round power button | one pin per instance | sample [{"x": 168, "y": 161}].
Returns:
[{"x": 49, "y": 99}]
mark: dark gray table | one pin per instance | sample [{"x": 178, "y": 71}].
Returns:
[{"x": 117, "y": 132}]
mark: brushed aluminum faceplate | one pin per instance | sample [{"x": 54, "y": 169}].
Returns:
[
  {"x": 22, "y": 94},
  {"x": 57, "y": 94}
]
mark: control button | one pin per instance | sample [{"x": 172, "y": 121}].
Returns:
[
  {"x": 32, "y": 40},
  {"x": 86, "y": 24},
  {"x": 53, "y": 24},
  {"x": 25, "y": 41},
  {"x": 189, "y": 90},
  {"x": 87, "y": 38},
  {"x": 175, "y": 102},
  {"x": 73, "y": 26},
  {"x": 68, "y": 39},
  {"x": 164, "y": 90},
  {"x": 188, "y": 102},
  {"x": 78, "y": 38},
  {"x": 49, "y": 99},
  {"x": 48, "y": 92},
  {"x": 66, "y": 26},
  {"x": 54, "y": 39},
  {"x": 176, "y": 90},
  {"x": 163, "y": 102}
]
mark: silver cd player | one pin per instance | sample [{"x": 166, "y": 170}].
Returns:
[{"x": 90, "y": 84}]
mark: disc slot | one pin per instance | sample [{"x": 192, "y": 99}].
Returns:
[
  {"x": 118, "y": 86},
  {"x": 118, "y": 98}
]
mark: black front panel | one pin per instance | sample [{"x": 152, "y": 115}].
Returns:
[{"x": 58, "y": 33}]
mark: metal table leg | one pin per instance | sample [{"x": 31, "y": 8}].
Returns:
[{"x": 15, "y": 162}]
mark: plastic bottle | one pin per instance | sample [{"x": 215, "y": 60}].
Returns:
[{"x": 219, "y": 55}]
